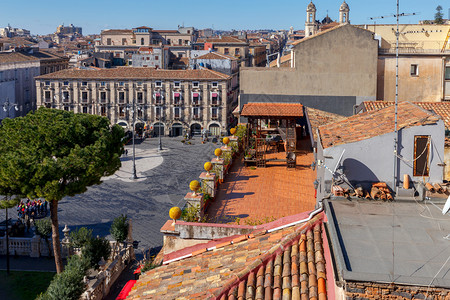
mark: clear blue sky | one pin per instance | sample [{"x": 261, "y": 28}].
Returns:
[{"x": 42, "y": 17}]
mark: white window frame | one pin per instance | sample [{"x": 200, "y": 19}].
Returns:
[
  {"x": 177, "y": 84},
  {"x": 193, "y": 112},
  {"x": 195, "y": 84},
  {"x": 158, "y": 83},
  {"x": 179, "y": 112},
  {"x": 214, "y": 84},
  {"x": 217, "y": 112}
]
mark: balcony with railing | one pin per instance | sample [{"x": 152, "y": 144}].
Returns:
[
  {"x": 177, "y": 99},
  {"x": 196, "y": 99},
  {"x": 215, "y": 99}
]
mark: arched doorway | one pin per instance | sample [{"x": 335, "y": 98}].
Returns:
[
  {"x": 177, "y": 129},
  {"x": 196, "y": 129},
  {"x": 139, "y": 129},
  {"x": 158, "y": 128},
  {"x": 214, "y": 129}
]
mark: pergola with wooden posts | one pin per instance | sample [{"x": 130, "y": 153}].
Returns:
[{"x": 270, "y": 127}]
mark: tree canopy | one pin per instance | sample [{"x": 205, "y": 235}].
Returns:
[
  {"x": 438, "y": 16},
  {"x": 53, "y": 153}
]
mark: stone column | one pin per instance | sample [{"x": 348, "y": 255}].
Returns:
[
  {"x": 35, "y": 246},
  {"x": 193, "y": 200},
  {"x": 227, "y": 151},
  {"x": 204, "y": 104},
  {"x": 76, "y": 97},
  {"x": 208, "y": 182},
  {"x": 218, "y": 164}
]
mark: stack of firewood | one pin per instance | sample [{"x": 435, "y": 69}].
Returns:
[
  {"x": 437, "y": 188},
  {"x": 379, "y": 191}
]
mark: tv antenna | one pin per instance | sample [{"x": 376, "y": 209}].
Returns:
[{"x": 397, "y": 15}]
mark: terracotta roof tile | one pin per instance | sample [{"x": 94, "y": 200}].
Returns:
[
  {"x": 215, "y": 55},
  {"x": 318, "y": 118},
  {"x": 117, "y": 31},
  {"x": 11, "y": 57},
  {"x": 440, "y": 108},
  {"x": 272, "y": 110},
  {"x": 234, "y": 272},
  {"x": 374, "y": 123},
  {"x": 136, "y": 73},
  {"x": 226, "y": 40}
]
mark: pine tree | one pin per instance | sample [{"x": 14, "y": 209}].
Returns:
[
  {"x": 438, "y": 17},
  {"x": 53, "y": 153}
]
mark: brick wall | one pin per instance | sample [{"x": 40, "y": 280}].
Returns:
[{"x": 369, "y": 290}]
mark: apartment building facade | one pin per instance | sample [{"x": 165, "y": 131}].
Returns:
[
  {"x": 17, "y": 73},
  {"x": 176, "y": 100},
  {"x": 118, "y": 41}
]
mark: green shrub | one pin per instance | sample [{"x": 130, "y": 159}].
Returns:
[
  {"x": 119, "y": 228},
  {"x": 95, "y": 249},
  {"x": 80, "y": 237},
  {"x": 44, "y": 227},
  {"x": 69, "y": 284},
  {"x": 192, "y": 214}
]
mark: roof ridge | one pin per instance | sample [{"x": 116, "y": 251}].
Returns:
[{"x": 264, "y": 258}]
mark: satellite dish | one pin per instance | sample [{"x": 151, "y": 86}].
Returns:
[
  {"x": 446, "y": 206},
  {"x": 338, "y": 162}
]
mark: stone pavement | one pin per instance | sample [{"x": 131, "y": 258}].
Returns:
[
  {"x": 22, "y": 263},
  {"x": 163, "y": 181},
  {"x": 266, "y": 194}
]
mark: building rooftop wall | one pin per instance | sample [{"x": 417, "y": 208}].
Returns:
[{"x": 136, "y": 73}]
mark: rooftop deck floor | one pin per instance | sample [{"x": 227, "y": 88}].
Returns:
[{"x": 265, "y": 194}]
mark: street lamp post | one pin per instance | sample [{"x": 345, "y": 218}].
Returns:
[
  {"x": 160, "y": 120},
  {"x": 8, "y": 105},
  {"x": 132, "y": 109}
]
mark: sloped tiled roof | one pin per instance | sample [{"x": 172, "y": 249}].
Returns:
[
  {"x": 226, "y": 40},
  {"x": 374, "y": 123},
  {"x": 284, "y": 60},
  {"x": 272, "y": 110},
  {"x": 440, "y": 108},
  {"x": 286, "y": 262},
  {"x": 117, "y": 31},
  {"x": 136, "y": 73},
  {"x": 10, "y": 57},
  {"x": 329, "y": 26},
  {"x": 318, "y": 34},
  {"x": 318, "y": 118},
  {"x": 215, "y": 55}
]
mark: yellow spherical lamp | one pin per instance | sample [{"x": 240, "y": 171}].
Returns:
[
  {"x": 175, "y": 214},
  {"x": 218, "y": 152},
  {"x": 233, "y": 131},
  {"x": 194, "y": 186},
  {"x": 208, "y": 167},
  {"x": 226, "y": 140}
]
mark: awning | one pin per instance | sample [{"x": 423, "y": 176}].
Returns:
[
  {"x": 157, "y": 94},
  {"x": 278, "y": 110},
  {"x": 194, "y": 94},
  {"x": 176, "y": 94},
  {"x": 214, "y": 94}
]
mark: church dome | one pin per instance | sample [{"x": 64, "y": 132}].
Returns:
[
  {"x": 344, "y": 7},
  {"x": 311, "y": 7}
]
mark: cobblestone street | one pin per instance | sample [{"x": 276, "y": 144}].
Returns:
[{"x": 163, "y": 180}]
